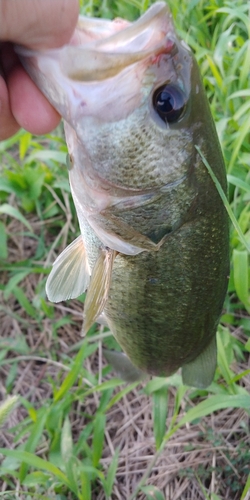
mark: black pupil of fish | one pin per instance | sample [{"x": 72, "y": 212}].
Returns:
[{"x": 169, "y": 102}]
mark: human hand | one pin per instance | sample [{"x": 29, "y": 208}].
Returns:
[{"x": 35, "y": 24}]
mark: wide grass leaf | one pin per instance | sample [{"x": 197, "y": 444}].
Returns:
[
  {"x": 3, "y": 242},
  {"x": 66, "y": 441},
  {"x": 108, "y": 484},
  {"x": 37, "y": 462},
  {"x": 24, "y": 302},
  {"x": 223, "y": 363},
  {"x": 33, "y": 440},
  {"x": 160, "y": 408},
  {"x": 98, "y": 437},
  {"x": 85, "y": 485},
  {"x": 246, "y": 490},
  {"x": 13, "y": 281},
  {"x": 73, "y": 374},
  {"x": 8, "y": 143},
  {"x": 241, "y": 136},
  {"x": 225, "y": 201},
  {"x": 215, "y": 403},
  {"x": 238, "y": 183},
  {"x": 240, "y": 267},
  {"x": 14, "y": 212},
  {"x": 35, "y": 478},
  {"x": 44, "y": 154}
]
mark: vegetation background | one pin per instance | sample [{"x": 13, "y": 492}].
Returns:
[{"x": 70, "y": 430}]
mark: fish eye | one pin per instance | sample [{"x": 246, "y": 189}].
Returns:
[{"x": 169, "y": 102}]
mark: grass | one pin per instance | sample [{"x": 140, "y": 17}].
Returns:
[{"x": 69, "y": 429}]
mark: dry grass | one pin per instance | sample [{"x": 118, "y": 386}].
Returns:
[{"x": 211, "y": 454}]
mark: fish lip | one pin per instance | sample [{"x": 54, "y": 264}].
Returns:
[
  {"x": 109, "y": 53},
  {"x": 103, "y": 65},
  {"x": 148, "y": 37},
  {"x": 153, "y": 15}
]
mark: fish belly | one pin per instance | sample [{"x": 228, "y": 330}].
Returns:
[{"x": 164, "y": 307}]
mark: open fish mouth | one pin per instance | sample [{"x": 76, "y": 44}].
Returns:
[{"x": 100, "y": 49}]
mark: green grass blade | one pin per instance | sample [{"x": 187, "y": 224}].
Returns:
[
  {"x": 33, "y": 440},
  {"x": 238, "y": 183},
  {"x": 72, "y": 375},
  {"x": 241, "y": 136},
  {"x": 47, "y": 154},
  {"x": 14, "y": 212},
  {"x": 3, "y": 242},
  {"x": 223, "y": 364},
  {"x": 8, "y": 143},
  {"x": 245, "y": 373},
  {"x": 98, "y": 438},
  {"x": 66, "y": 441},
  {"x": 240, "y": 93},
  {"x": 215, "y": 403},
  {"x": 160, "y": 408},
  {"x": 110, "y": 479},
  {"x": 117, "y": 397},
  {"x": 13, "y": 281},
  {"x": 24, "y": 302},
  {"x": 225, "y": 201},
  {"x": 240, "y": 273},
  {"x": 85, "y": 485},
  {"x": 35, "y": 478},
  {"x": 37, "y": 462},
  {"x": 71, "y": 470},
  {"x": 246, "y": 490}
]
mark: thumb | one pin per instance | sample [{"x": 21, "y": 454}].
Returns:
[{"x": 38, "y": 24}]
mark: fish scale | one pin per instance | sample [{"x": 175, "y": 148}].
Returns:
[{"x": 140, "y": 166}]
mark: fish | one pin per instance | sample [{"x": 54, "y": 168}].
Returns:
[{"x": 153, "y": 249}]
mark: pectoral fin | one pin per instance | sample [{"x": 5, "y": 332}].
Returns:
[
  {"x": 98, "y": 288},
  {"x": 200, "y": 372},
  {"x": 123, "y": 366},
  {"x": 70, "y": 273}
]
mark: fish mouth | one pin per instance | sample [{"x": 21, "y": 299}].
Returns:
[
  {"x": 100, "y": 49},
  {"x": 107, "y": 47},
  {"x": 108, "y": 68}
]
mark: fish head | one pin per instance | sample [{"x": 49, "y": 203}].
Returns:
[{"x": 122, "y": 88}]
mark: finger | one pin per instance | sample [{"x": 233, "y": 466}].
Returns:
[
  {"x": 36, "y": 24},
  {"x": 30, "y": 108},
  {"x": 8, "y": 124}
]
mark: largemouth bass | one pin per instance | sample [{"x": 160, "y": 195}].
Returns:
[{"x": 153, "y": 248}]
